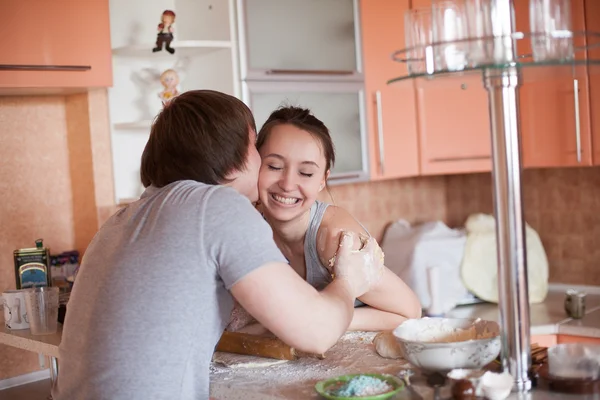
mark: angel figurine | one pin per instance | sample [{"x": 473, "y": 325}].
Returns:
[
  {"x": 169, "y": 79},
  {"x": 165, "y": 32}
]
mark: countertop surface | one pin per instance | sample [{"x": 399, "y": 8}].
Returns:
[{"x": 354, "y": 353}]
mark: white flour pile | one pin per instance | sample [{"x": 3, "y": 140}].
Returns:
[{"x": 439, "y": 330}]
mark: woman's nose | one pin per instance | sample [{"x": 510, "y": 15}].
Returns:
[{"x": 287, "y": 182}]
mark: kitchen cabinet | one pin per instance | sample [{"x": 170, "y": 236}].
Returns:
[
  {"x": 544, "y": 340},
  {"x": 55, "y": 44},
  {"x": 454, "y": 125},
  {"x": 577, "y": 339},
  {"x": 592, "y": 22},
  {"x": 390, "y": 109},
  {"x": 338, "y": 105},
  {"x": 299, "y": 40},
  {"x": 554, "y": 104}
]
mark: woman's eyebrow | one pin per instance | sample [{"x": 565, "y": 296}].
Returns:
[{"x": 280, "y": 157}]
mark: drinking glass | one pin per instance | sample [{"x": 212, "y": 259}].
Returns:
[
  {"x": 449, "y": 26},
  {"x": 550, "y": 24},
  {"x": 418, "y": 37},
  {"x": 42, "y": 309}
]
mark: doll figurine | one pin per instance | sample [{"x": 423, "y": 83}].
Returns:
[
  {"x": 169, "y": 80},
  {"x": 165, "y": 32}
]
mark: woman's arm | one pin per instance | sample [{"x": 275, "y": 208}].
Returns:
[
  {"x": 391, "y": 301},
  {"x": 296, "y": 312}
]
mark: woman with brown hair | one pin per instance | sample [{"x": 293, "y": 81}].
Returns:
[
  {"x": 297, "y": 156},
  {"x": 156, "y": 285}
]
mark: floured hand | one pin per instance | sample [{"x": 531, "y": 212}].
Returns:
[{"x": 362, "y": 268}]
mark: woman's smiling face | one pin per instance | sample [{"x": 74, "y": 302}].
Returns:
[{"x": 292, "y": 172}]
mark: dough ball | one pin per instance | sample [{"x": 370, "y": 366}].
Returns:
[{"x": 387, "y": 346}]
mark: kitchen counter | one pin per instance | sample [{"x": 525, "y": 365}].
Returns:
[{"x": 354, "y": 353}]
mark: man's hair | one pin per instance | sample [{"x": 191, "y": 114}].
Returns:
[{"x": 200, "y": 135}]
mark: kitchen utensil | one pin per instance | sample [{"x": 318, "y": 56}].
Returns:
[
  {"x": 551, "y": 25},
  {"x": 42, "y": 309},
  {"x": 449, "y": 25},
  {"x": 443, "y": 344},
  {"x": 327, "y": 386},
  {"x": 405, "y": 375},
  {"x": 418, "y": 37},
  {"x": 261, "y": 346},
  {"x": 574, "y": 360},
  {"x": 575, "y": 303},
  {"x": 15, "y": 312}
]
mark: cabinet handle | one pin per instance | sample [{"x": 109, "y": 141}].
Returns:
[
  {"x": 24, "y": 67},
  {"x": 380, "y": 131},
  {"x": 307, "y": 72},
  {"x": 577, "y": 120},
  {"x": 339, "y": 177},
  {"x": 470, "y": 158}
]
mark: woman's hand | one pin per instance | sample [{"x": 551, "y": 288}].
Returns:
[{"x": 361, "y": 269}]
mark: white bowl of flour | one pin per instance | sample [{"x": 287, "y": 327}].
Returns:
[{"x": 443, "y": 344}]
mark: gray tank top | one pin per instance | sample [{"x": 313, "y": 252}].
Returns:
[{"x": 316, "y": 274}]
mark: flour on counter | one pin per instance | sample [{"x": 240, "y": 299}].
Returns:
[{"x": 354, "y": 353}]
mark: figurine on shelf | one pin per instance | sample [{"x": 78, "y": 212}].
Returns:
[
  {"x": 165, "y": 32},
  {"x": 169, "y": 80}
]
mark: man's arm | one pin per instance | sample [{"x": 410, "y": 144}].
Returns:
[{"x": 293, "y": 310}]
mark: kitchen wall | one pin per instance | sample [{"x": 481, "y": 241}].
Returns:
[{"x": 55, "y": 183}]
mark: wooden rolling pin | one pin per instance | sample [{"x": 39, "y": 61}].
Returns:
[{"x": 260, "y": 346}]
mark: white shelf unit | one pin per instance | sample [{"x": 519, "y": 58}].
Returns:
[{"x": 206, "y": 57}]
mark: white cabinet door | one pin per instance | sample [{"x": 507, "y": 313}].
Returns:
[
  {"x": 281, "y": 39},
  {"x": 339, "y": 105}
]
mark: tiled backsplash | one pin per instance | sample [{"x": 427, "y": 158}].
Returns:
[
  {"x": 562, "y": 205},
  {"x": 376, "y": 204}
]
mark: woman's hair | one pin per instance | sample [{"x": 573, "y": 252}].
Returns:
[
  {"x": 303, "y": 119},
  {"x": 200, "y": 135}
]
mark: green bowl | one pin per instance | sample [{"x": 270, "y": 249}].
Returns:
[{"x": 323, "y": 387}]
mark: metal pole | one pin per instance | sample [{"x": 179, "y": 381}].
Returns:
[{"x": 502, "y": 85}]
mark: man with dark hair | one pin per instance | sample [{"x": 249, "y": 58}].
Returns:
[{"x": 157, "y": 283}]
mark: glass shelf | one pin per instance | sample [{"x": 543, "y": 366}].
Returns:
[
  {"x": 529, "y": 72},
  {"x": 586, "y": 56}
]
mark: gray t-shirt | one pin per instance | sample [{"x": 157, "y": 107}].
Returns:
[{"x": 151, "y": 299}]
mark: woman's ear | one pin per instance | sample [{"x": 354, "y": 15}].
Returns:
[{"x": 324, "y": 181}]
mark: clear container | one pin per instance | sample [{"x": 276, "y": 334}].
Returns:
[
  {"x": 574, "y": 360},
  {"x": 551, "y": 26},
  {"x": 449, "y": 23},
  {"x": 42, "y": 309},
  {"x": 418, "y": 37}
]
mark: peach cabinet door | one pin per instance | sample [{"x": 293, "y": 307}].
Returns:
[
  {"x": 544, "y": 340},
  {"x": 57, "y": 32},
  {"x": 390, "y": 108},
  {"x": 592, "y": 19},
  {"x": 577, "y": 339},
  {"x": 555, "y": 118},
  {"x": 454, "y": 125}
]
